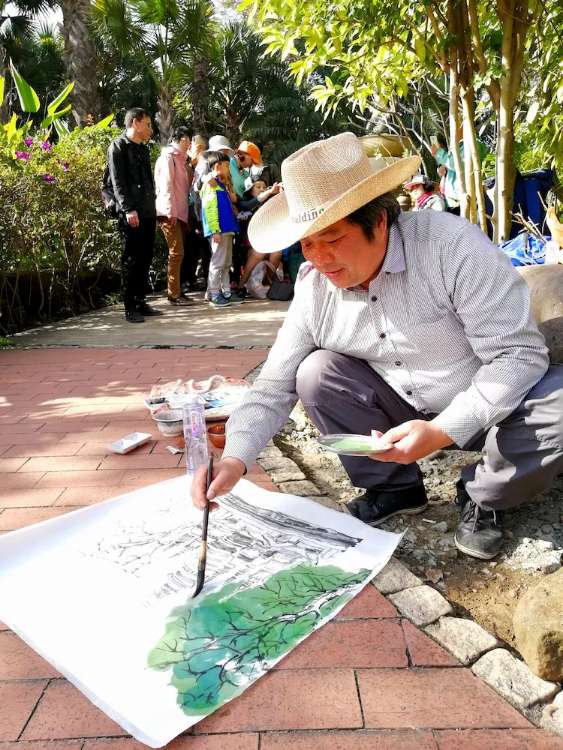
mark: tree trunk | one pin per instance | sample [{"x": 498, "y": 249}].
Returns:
[
  {"x": 471, "y": 153},
  {"x": 200, "y": 96},
  {"x": 515, "y": 22},
  {"x": 80, "y": 59},
  {"x": 165, "y": 114},
  {"x": 454, "y": 142}
]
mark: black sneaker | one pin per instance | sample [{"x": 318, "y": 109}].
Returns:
[
  {"x": 132, "y": 316},
  {"x": 479, "y": 533},
  {"x": 377, "y": 505},
  {"x": 147, "y": 310}
]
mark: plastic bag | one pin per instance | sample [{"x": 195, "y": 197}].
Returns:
[{"x": 525, "y": 250}]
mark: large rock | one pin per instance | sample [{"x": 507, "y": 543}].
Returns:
[
  {"x": 538, "y": 627},
  {"x": 546, "y": 291}
]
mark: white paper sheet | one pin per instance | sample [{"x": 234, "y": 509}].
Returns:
[{"x": 103, "y": 594}]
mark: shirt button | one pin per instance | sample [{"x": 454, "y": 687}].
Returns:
[
  {"x": 382, "y": 335},
  {"x": 398, "y": 363},
  {"x": 374, "y": 298},
  {"x": 409, "y": 393}
]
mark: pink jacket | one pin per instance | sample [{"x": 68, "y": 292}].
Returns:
[{"x": 172, "y": 183}]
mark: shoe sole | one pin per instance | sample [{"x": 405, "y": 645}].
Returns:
[
  {"x": 472, "y": 553},
  {"x": 405, "y": 512},
  {"x": 218, "y": 307}
]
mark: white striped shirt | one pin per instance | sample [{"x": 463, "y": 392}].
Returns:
[{"x": 446, "y": 323}]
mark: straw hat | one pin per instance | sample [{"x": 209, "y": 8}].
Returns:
[{"x": 323, "y": 183}]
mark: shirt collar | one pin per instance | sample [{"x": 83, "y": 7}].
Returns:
[{"x": 395, "y": 256}]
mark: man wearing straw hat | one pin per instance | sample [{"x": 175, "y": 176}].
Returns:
[{"x": 414, "y": 325}]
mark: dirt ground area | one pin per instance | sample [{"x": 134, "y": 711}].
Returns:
[{"x": 485, "y": 591}]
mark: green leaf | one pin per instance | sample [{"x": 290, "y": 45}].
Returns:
[
  {"x": 29, "y": 101},
  {"x": 1, "y": 89},
  {"x": 61, "y": 127},
  {"x": 106, "y": 122},
  {"x": 53, "y": 106},
  {"x": 11, "y": 127},
  {"x": 48, "y": 121},
  {"x": 533, "y": 111}
]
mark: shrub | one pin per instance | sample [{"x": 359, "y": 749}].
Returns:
[
  {"x": 59, "y": 254},
  {"x": 52, "y": 226}
]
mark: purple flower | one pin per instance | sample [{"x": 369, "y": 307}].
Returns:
[
  {"x": 66, "y": 166},
  {"x": 28, "y": 141},
  {"x": 48, "y": 178},
  {"x": 46, "y": 146},
  {"x": 23, "y": 155}
]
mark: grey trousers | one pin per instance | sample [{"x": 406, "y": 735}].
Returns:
[
  {"x": 218, "y": 279},
  {"x": 521, "y": 455}
]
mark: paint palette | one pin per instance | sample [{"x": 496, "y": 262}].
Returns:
[{"x": 353, "y": 445}]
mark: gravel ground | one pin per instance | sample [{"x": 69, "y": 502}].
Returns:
[{"x": 487, "y": 592}]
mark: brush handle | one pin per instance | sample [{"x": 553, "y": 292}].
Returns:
[{"x": 204, "y": 525}]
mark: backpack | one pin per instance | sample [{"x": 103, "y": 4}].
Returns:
[{"x": 108, "y": 196}]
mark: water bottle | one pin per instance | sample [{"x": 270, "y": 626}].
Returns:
[{"x": 195, "y": 434}]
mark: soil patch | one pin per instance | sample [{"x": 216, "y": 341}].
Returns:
[{"x": 488, "y": 592}]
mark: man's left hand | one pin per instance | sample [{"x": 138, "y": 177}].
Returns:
[{"x": 411, "y": 441}]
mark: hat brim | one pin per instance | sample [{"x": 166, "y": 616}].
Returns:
[
  {"x": 221, "y": 148},
  {"x": 272, "y": 229}
]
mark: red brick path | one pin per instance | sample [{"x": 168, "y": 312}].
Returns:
[{"x": 369, "y": 680}]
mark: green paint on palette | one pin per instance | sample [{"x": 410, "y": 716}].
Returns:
[{"x": 216, "y": 647}]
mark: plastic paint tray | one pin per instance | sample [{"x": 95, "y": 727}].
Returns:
[{"x": 353, "y": 445}]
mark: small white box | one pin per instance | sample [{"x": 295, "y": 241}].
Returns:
[{"x": 130, "y": 442}]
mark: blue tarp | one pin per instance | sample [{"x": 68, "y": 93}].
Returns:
[{"x": 525, "y": 250}]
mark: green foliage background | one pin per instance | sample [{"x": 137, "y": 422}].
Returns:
[
  {"x": 219, "y": 645},
  {"x": 58, "y": 250}
]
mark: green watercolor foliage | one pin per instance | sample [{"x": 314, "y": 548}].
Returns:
[{"x": 219, "y": 645}]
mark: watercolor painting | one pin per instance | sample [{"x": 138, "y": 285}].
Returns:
[
  {"x": 217, "y": 647},
  {"x": 121, "y": 574}
]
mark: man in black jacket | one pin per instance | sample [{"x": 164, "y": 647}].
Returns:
[{"x": 133, "y": 187}]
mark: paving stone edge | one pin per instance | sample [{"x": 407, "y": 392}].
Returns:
[{"x": 431, "y": 612}]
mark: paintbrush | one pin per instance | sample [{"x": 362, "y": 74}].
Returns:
[{"x": 204, "y": 524}]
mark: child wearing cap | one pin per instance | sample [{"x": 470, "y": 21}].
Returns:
[{"x": 219, "y": 225}]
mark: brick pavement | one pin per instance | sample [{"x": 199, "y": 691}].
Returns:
[{"x": 367, "y": 680}]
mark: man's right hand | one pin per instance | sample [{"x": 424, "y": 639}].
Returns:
[
  {"x": 132, "y": 219},
  {"x": 226, "y": 474}
]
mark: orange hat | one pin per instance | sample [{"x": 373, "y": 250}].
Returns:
[{"x": 252, "y": 150}]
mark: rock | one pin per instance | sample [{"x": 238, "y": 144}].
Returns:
[
  {"x": 395, "y": 577},
  {"x": 422, "y": 605},
  {"x": 546, "y": 563},
  {"x": 433, "y": 574},
  {"x": 552, "y": 716},
  {"x": 270, "y": 451},
  {"x": 546, "y": 294},
  {"x": 299, "y": 417},
  {"x": 280, "y": 464},
  {"x": 465, "y": 639},
  {"x": 301, "y": 488},
  {"x": 538, "y": 627},
  {"x": 512, "y": 679}
]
